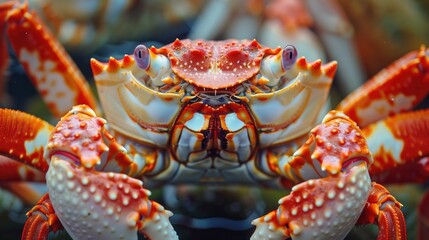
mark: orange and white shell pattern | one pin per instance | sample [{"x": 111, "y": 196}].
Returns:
[{"x": 212, "y": 105}]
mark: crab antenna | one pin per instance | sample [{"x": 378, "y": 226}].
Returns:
[
  {"x": 275, "y": 66},
  {"x": 157, "y": 66}
]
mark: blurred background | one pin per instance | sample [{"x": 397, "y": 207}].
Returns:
[{"x": 362, "y": 35}]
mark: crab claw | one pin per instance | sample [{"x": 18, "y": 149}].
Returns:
[
  {"x": 157, "y": 66},
  {"x": 318, "y": 207},
  {"x": 337, "y": 195},
  {"x": 275, "y": 66},
  {"x": 109, "y": 205},
  {"x": 325, "y": 208}
]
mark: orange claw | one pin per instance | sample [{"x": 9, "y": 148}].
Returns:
[
  {"x": 48, "y": 65},
  {"x": 335, "y": 143},
  {"x": 383, "y": 209},
  {"x": 41, "y": 220}
]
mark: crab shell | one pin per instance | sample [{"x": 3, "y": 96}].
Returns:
[{"x": 215, "y": 65}]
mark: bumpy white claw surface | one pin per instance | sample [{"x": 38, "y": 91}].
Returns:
[
  {"x": 266, "y": 231},
  {"x": 159, "y": 227},
  {"x": 98, "y": 205}
]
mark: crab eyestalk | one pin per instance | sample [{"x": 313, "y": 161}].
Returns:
[
  {"x": 157, "y": 66},
  {"x": 275, "y": 66}
]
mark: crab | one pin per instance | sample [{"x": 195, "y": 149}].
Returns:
[{"x": 212, "y": 112}]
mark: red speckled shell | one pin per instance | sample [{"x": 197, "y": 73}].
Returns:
[{"x": 215, "y": 65}]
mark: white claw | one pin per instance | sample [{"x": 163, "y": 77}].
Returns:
[
  {"x": 266, "y": 231},
  {"x": 160, "y": 228}
]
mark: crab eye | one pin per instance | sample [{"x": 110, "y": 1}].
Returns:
[
  {"x": 142, "y": 56},
  {"x": 273, "y": 67},
  {"x": 289, "y": 57},
  {"x": 156, "y": 65}
]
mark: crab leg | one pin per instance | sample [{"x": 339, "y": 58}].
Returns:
[
  {"x": 50, "y": 68},
  {"x": 22, "y": 138},
  {"x": 18, "y": 171},
  {"x": 4, "y": 56},
  {"x": 398, "y": 145},
  {"x": 399, "y": 148},
  {"x": 26, "y": 192},
  {"x": 14, "y": 179},
  {"x": 337, "y": 152},
  {"x": 41, "y": 220},
  {"x": 381, "y": 209},
  {"x": 398, "y": 88}
]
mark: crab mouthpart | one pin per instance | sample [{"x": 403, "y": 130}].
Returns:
[{"x": 215, "y": 100}]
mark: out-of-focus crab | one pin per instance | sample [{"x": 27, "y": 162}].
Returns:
[
  {"x": 204, "y": 112},
  {"x": 377, "y": 24},
  {"x": 85, "y": 26},
  {"x": 88, "y": 25}
]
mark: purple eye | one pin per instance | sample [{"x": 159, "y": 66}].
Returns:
[
  {"x": 289, "y": 57},
  {"x": 142, "y": 56}
]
